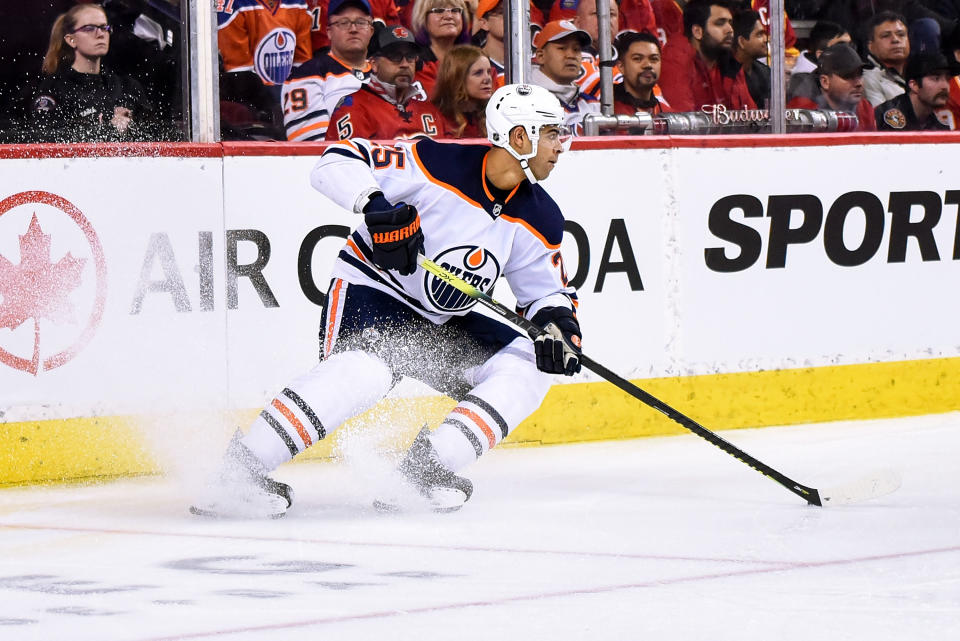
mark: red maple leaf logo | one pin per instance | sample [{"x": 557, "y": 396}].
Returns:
[{"x": 37, "y": 288}]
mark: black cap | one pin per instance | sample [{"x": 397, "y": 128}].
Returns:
[
  {"x": 926, "y": 64},
  {"x": 841, "y": 59},
  {"x": 391, "y": 36}
]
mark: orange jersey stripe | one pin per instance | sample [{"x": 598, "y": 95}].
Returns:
[
  {"x": 532, "y": 230},
  {"x": 491, "y": 439},
  {"x": 293, "y": 421},
  {"x": 323, "y": 124},
  {"x": 332, "y": 316}
]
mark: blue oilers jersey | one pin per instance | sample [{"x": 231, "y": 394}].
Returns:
[{"x": 470, "y": 228}]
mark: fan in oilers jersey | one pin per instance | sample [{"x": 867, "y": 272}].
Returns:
[{"x": 475, "y": 210}]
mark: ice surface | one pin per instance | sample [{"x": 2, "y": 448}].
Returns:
[{"x": 665, "y": 538}]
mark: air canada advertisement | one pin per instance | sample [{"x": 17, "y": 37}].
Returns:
[{"x": 202, "y": 279}]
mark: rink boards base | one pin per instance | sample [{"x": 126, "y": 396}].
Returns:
[{"x": 86, "y": 448}]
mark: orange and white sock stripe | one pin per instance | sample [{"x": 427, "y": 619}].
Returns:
[
  {"x": 479, "y": 422},
  {"x": 294, "y": 421}
]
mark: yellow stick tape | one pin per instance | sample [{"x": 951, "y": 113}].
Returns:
[{"x": 78, "y": 448}]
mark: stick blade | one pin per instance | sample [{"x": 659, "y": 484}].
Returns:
[{"x": 870, "y": 487}]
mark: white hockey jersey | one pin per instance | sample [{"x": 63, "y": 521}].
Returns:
[
  {"x": 313, "y": 91},
  {"x": 470, "y": 228}
]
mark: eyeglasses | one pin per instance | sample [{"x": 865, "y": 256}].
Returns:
[
  {"x": 396, "y": 57},
  {"x": 439, "y": 11},
  {"x": 93, "y": 28},
  {"x": 359, "y": 23}
]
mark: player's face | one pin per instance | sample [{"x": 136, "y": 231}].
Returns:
[
  {"x": 444, "y": 20},
  {"x": 717, "y": 34},
  {"x": 89, "y": 43},
  {"x": 549, "y": 147},
  {"x": 843, "y": 92},
  {"x": 396, "y": 65},
  {"x": 641, "y": 66},
  {"x": 479, "y": 82},
  {"x": 933, "y": 90},
  {"x": 560, "y": 60},
  {"x": 890, "y": 43},
  {"x": 346, "y": 38},
  {"x": 755, "y": 46},
  {"x": 588, "y": 20}
]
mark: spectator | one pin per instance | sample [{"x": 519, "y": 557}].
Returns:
[
  {"x": 314, "y": 89},
  {"x": 586, "y": 19},
  {"x": 889, "y": 49},
  {"x": 391, "y": 104},
  {"x": 823, "y": 34},
  {"x": 750, "y": 41},
  {"x": 638, "y": 57},
  {"x": 558, "y": 65},
  {"x": 490, "y": 21},
  {"x": 841, "y": 86},
  {"x": 928, "y": 89},
  {"x": 80, "y": 99},
  {"x": 383, "y": 11},
  {"x": 853, "y": 14},
  {"x": 762, "y": 7},
  {"x": 438, "y": 26},
  {"x": 463, "y": 88},
  {"x": 950, "y": 115},
  {"x": 700, "y": 70}
]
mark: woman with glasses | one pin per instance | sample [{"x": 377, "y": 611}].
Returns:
[
  {"x": 463, "y": 88},
  {"x": 438, "y": 26},
  {"x": 80, "y": 99}
]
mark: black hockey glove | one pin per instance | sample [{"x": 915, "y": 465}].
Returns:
[
  {"x": 558, "y": 348},
  {"x": 395, "y": 231}
]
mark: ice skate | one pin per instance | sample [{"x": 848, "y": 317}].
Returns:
[
  {"x": 421, "y": 468},
  {"x": 242, "y": 489}
]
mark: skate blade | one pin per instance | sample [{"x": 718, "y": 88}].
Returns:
[
  {"x": 243, "y": 506},
  {"x": 213, "y": 513},
  {"x": 441, "y": 500}
]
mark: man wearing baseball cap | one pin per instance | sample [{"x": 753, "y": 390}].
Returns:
[
  {"x": 559, "y": 46},
  {"x": 315, "y": 88},
  {"x": 392, "y": 104},
  {"x": 928, "y": 89},
  {"x": 840, "y": 73}
]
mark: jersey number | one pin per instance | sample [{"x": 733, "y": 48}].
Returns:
[
  {"x": 385, "y": 157},
  {"x": 315, "y": 22},
  {"x": 225, "y": 6},
  {"x": 557, "y": 260},
  {"x": 295, "y": 100},
  {"x": 344, "y": 128}
]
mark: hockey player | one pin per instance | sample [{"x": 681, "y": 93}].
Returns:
[{"x": 477, "y": 211}]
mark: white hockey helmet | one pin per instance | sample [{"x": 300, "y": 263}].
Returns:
[{"x": 528, "y": 106}]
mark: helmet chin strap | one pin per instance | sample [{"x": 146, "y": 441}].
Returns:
[
  {"x": 524, "y": 158},
  {"x": 526, "y": 171}
]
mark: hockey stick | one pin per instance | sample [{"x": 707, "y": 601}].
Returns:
[{"x": 864, "y": 489}]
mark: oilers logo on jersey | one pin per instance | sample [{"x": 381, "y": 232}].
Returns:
[
  {"x": 273, "y": 59},
  {"x": 473, "y": 264}
]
